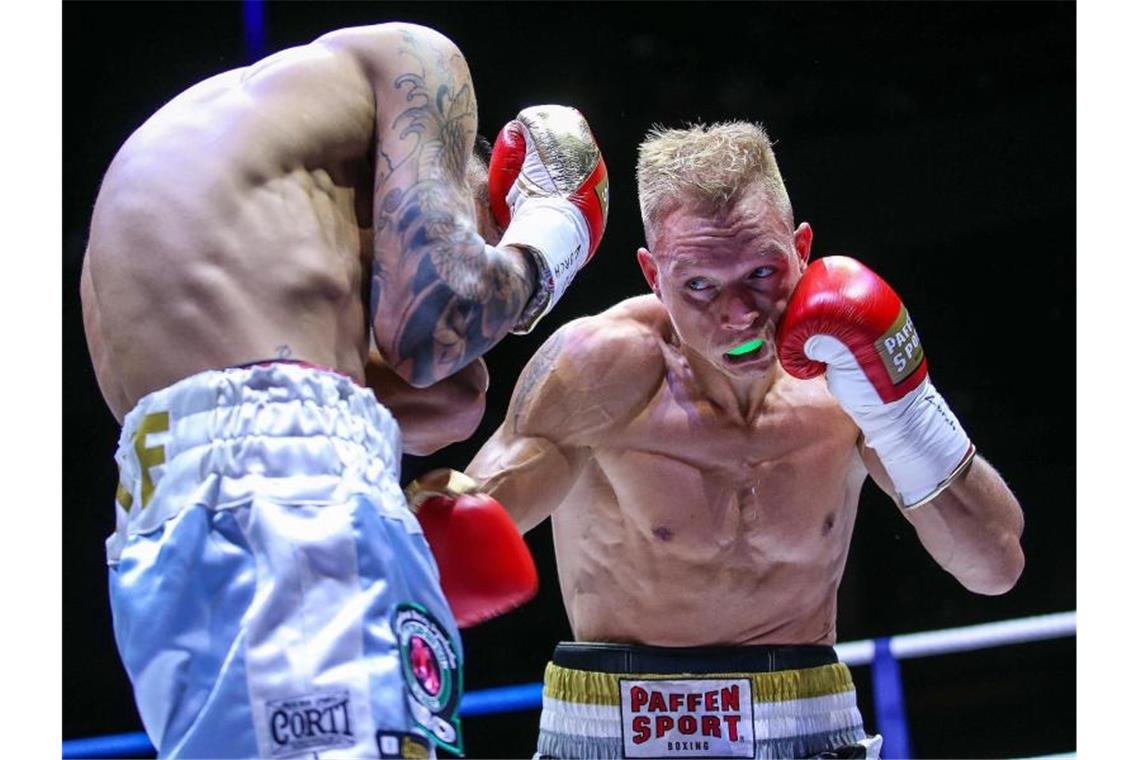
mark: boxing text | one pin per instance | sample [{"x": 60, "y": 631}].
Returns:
[{"x": 690, "y": 718}]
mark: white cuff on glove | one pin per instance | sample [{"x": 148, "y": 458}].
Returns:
[
  {"x": 918, "y": 439},
  {"x": 556, "y": 234},
  {"x": 920, "y": 443}
]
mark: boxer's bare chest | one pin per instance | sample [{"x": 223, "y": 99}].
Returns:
[
  {"x": 698, "y": 482},
  {"x": 694, "y": 527}
]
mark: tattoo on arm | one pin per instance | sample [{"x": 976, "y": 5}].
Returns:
[
  {"x": 459, "y": 296},
  {"x": 536, "y": 370}
]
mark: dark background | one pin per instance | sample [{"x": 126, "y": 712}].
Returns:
[{"x": 936, "y": 142}]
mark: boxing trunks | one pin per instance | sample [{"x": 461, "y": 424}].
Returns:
[
  {"x": 272, "y": 595},
  {"x": 617, "y": 700}
]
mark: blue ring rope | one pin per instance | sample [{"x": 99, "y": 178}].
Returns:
[
  {"x": 527, "y": 696},
  {"x": 886, "y": 681}
]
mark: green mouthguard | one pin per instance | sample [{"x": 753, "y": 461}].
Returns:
[{"x": 745, "y": 348}]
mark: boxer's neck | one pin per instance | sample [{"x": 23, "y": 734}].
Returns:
[{"x": 741, "y": 397}]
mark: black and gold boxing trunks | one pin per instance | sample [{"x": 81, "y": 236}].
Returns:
[{"x": 619, "y": 701}]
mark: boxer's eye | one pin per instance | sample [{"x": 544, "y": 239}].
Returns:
[
  {"x": 762, "y": 272},
  {"x": 698, "y": 284}
]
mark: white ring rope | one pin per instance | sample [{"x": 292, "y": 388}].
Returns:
[
  {"x": 909, "y": 645},
  {"x": 965, "y": 639}
]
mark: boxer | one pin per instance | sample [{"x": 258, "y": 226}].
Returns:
[
  {"x": 266, "y": 246},
  {"x": 700, "y": 451}
]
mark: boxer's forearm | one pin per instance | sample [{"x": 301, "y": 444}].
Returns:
[
  {"x": 973, "y": 530},
  {"x": 440, "y": 295},
  {"x": 448, "y": 300}
]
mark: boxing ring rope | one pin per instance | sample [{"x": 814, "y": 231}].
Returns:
[{"x": 882, "y": 654}]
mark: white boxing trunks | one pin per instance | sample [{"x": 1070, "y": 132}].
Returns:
[{"x": 272, "y": 595}]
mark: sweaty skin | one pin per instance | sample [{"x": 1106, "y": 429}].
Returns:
[
  {"x": 315, "y": 206},
  {"x": 699, "y": 498},
  {"x": 680, "y": 524}
]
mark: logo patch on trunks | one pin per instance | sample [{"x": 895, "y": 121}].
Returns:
[
  {"x": 429, "y": 661},
  {"x": 321, "y": 720},
  {"x": 690, "y": 717},
  {"x": 402, "y": 744}
]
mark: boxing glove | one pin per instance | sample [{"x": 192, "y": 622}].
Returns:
[
  {"x": 843, "y": 319},
  {"x": 485, "y": 567},
  {"x": 549, "y": 190}
]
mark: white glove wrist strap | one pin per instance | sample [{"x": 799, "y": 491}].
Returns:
[
  {"x": 557, "y": 236},
  {"x": 959, "y": 471},
  {"x": 919, "y": 441}
]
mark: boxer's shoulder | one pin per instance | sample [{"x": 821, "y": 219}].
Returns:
[
  {"x": 646, "y": 310},
  {"x": 592, "y": 374},
  {"x": 383, "y": 49},
  {"x": 626, "y": 338}
]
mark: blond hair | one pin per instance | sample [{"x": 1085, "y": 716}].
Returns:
[{"x": 707, "y": 166}]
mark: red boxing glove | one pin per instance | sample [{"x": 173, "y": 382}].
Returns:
[
  {"x": 485, "y": 567},
  {"x": 844, "y": 319},
  {"x": 549, "y": 189}
]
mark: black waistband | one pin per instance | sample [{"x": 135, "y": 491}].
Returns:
[{"x": 633, "y": 658}]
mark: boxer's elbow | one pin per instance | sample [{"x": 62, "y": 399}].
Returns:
[
  {"x": 1000, "y": 573},
  {"x": 411, "y": 360}
]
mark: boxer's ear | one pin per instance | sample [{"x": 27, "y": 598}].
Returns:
[
  {"x": 802, "y": 239},
  {"x": 648, "y": 268}
]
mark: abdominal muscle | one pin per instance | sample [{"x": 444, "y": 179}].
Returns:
[{"x": 659, "y": 550}]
